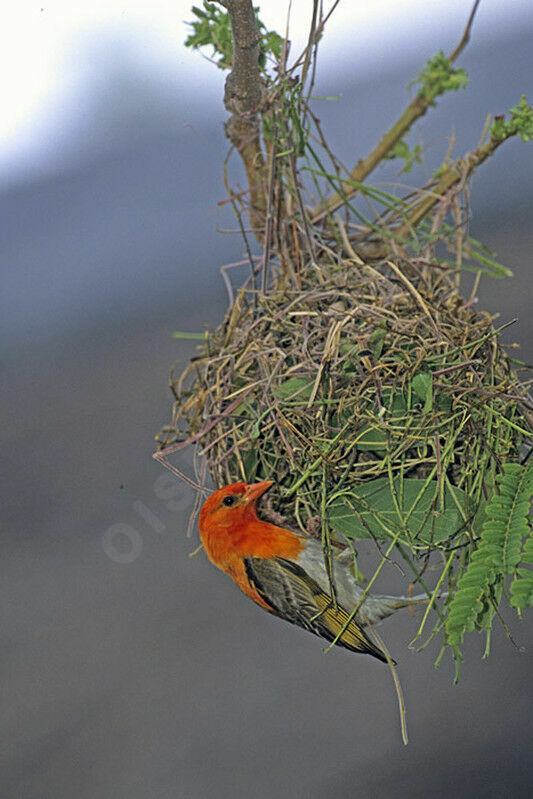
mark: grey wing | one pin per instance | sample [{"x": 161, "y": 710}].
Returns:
[
  {"x": 289, "y": 593},
  {"x": 299, "y": 599}
]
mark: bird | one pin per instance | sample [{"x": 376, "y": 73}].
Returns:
[{"x": 284, "y": 572}]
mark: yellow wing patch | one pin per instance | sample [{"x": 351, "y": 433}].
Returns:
[{"x": 353, "y": 637}]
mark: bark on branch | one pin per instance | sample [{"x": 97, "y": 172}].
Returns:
[{"x": 242, "y": 98}]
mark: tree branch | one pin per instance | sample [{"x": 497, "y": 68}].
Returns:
[
  {"x": 455, "y": 173},
  {"x": 416, "y": 109},
  {"x": 242, "y": 98}
]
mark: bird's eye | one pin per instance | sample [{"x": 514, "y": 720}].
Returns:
[{"x": 229, "y": 501}]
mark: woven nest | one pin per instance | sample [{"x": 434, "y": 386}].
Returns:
[{"x": 360, "y": 389}]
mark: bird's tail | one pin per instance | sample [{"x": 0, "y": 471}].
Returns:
[{"x": 377, "y": 607}]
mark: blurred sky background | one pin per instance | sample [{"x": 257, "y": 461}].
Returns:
[
  {"x": 60, "y": 59},
  {"x": 138, "y": 672}
]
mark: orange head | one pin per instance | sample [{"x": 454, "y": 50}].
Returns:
[
  {"x": 230, "y": 528},
  {"x": 233, "y": 506}
]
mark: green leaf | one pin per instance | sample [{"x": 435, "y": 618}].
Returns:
[
  {"x": 439, "y": 76},
  {"x": 250, "y": 462},
  {"x": 510, "y": 511},
  {"x": 522, "y": 585},
  {"x": 492, "y": 267},
  {"x": 373, "y": 437},
  {"x": 401, "y": 150},
  {"x": 299, "y": 387},
  {"x": 212, "y": 27},
  {"x": 497, "y": 554},
  {"x": 422, "y": 385},
  {"x": 273, "y": 43},
  {"x": 376, "y": 341},
  {"x": 370, "y": 510},
  {"x": 520, "y": 123},
  {"x": 522, "y": 589}
]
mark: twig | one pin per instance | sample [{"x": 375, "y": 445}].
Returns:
[
  {"x": 416, "y": 109},
  {"x": 455, "y": 173},
  {"x": 459, "y": 171},
  {"x": 466, "y": 33}
]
